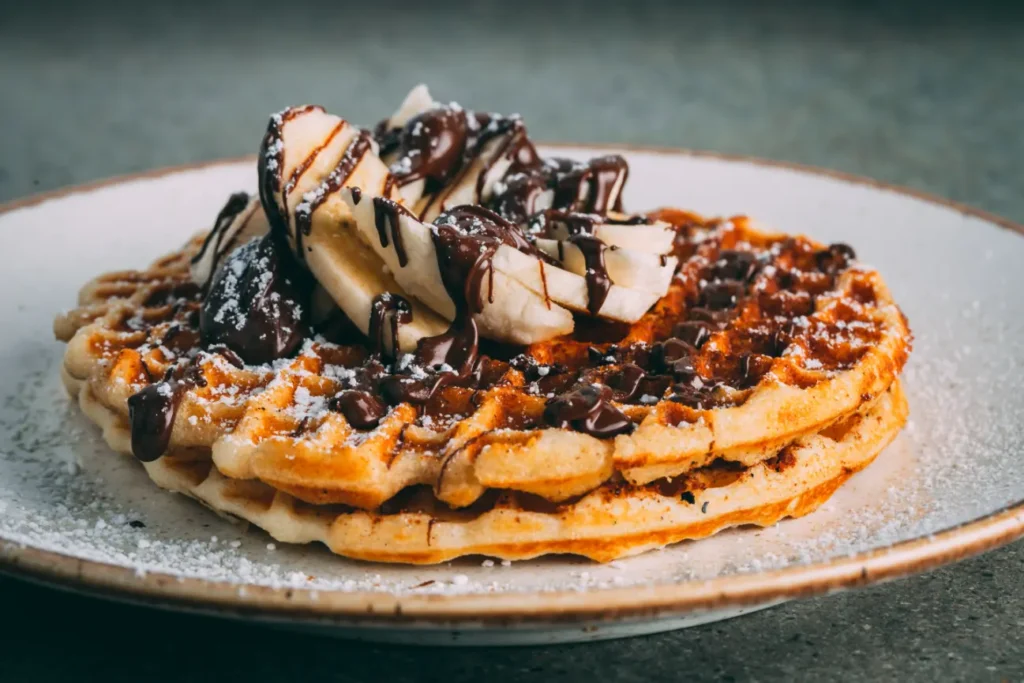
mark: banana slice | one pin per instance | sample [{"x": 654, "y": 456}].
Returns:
[
  {"x": 569, "y": 289},
  {"x": 551, "y": 289},
  {"x": 511, "y": 311},
  {"x": 415, "y": 103},
  {"x": 492, "y": 163},
  {"x": 653, "y": 238},
  {"x": 634, "y": 269},
  {"x": 407, "y": 249},
  {"x": 317, "y": 155},
  {"x": 354, "y": 276}
]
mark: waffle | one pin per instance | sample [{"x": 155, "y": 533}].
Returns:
[
  {"x": 819, "y": 348},
  {"x": 700, "y": 361},
  {"x": 615, "y": 520},
  {"x": 810, "y": 340}
]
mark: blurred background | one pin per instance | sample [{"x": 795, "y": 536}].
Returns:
[{"x": 923, "y": 93}]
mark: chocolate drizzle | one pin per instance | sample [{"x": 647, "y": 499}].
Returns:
[
  {"x": 608, "y": 175},
  {"x": 361, "y": 409},
  {"x": 585, "y": 191},
  {"x": 433, "y": 146},
  {"x": 270, "y": 165},
  {"x": 598, "y": 282},
  {"x": 360, "y": 145},
  {"x": 520, "y": 196},
  {"x": 385, "y": 214},
  {"x": 151, "y": 412},
  {"x": 588, "y": 409},
  {"x": 387, "y": 308},
  {"x": 439, "y": 144},
  {"x": 218, "y": 242},
  {"x": 466, "y": 239},
  {"x": 304, "y": 165}
]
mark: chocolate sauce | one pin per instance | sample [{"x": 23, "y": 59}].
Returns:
[
  {"x": 387, "y": 138},
  {"x": 835, "y": 259},
  {"x": 588, "y": 409},
  {"x": 257, "y": 302},
  {"x": 574, "y": 223},
  {"x": 517, "y": 147},
  {"x": 270, "y": 165},
  {"x": 215, "y": 242},
  {"x": 693, "y": 332},
  {"x": 466, "y": 239},
  {"x": 598, "y": 282},
  {"x": 387, "y": 308},
  {"x": 334, "y": 181},
  {"x": 433, "y": 146},
  {"x": 735, "y": 265},
  {"x": 304, "y": 165},
  {"x": 722, "y": 294},
  {"x": 520, "y": 196},
  {"x": 151, "y": 410},
  {"x": 582, "y": 193},
  {"x": 151, "y": 413},
  {"x": 570, "y": 181},
  {"x": 637, "y": 219},
  {"x": 626, "y": 381},
  {"x": 385, "y": 213},
  {"x": 543, "y": 379},
  {"x": 457, "y": 348},
  {"x": 608, "y": 177},
  {"x": 361, "y": 409}
]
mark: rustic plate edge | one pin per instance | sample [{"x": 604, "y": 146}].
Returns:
[{"x": 662, "y": 601}]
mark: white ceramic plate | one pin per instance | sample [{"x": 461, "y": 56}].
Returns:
[{"x": 71, "y": 511}]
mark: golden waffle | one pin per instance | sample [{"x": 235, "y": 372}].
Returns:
[
  {"x": 614, "y": 520},
  {"x": 808, "y": 342}
]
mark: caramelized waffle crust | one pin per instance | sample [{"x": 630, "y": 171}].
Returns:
[
  {"x": 615, "y": 520},
  {"x": 762, "y": 340}
]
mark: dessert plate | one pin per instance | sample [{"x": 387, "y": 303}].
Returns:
[{"x": 74, "y": 514}]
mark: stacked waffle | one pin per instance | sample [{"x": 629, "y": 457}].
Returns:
[{"x": 411, "y": 353}]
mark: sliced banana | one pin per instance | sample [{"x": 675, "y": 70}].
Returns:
[
  {"x": 415, "y": 103},
  {"x": 354, "y": 276},
  {"x": 569, "y": 289},
  {"x": 492, "y": 162},
  {"x": 634, "y": 269},
  {"x": 654, "y": 238},
  {"x": 357, "y": 252},
  {"x": 551, "y": 287},
  {"x": 350, "y": 272},
  {"x": 511, "y": 311},
  {"x": 420, "y": 273}
]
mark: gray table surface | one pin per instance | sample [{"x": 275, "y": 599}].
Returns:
[{"x": 924, "y": 94}]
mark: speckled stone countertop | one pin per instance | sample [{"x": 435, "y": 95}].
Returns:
[{"x": 924, "y": 94}]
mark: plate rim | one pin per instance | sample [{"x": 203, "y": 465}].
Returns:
[{"x": 365, "y": 608}]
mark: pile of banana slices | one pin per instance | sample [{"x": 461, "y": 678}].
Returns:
[{"x": 319, "y": 176}]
